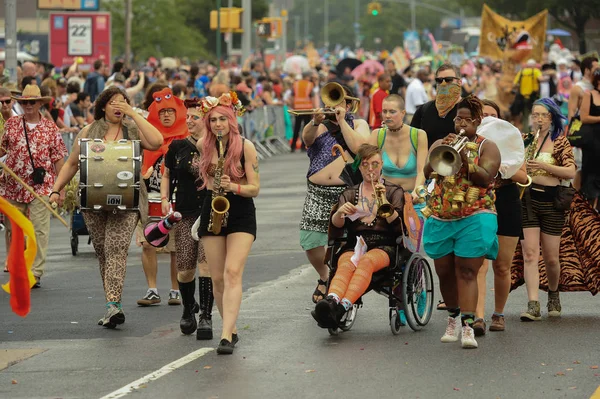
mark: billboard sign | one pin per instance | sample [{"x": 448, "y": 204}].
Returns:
[
  {"x": 79, "y": 34},
  {"x": 70, "y": 5}
]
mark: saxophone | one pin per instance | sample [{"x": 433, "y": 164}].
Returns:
[
  {"x": 219, "y": 203},
  {"x": 529, "y": 155}
]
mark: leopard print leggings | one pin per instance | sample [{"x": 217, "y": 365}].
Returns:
[
  {"x": 111, "y": 235},
  {"x": 189, "y": 252}
]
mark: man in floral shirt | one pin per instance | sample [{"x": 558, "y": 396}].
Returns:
[{"x": 32, "y": 132}]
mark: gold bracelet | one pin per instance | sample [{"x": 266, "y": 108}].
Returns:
[{"x": 472, "y": 168}]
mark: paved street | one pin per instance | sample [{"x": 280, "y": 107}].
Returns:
[{"x": 58, "y": 351}]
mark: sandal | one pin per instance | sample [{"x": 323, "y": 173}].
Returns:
[
  {"x": 441, "y": 305},
  {"x": 318, "y": 294}
]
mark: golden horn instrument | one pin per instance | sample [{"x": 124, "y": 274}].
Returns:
[
  {"x": 384, "y": 208},
  {"x": 338, "y": 149},
  {"x": 219, "y": 203},
  {"x": 332, "y": 95},
  {"x": 445, "y": 159},
  {"x": 529, "y": 155}
]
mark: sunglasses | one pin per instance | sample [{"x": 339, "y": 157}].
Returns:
[
  {"x": 448, "y": 79},
  {"x": 6, "y": 102},
  {"x": 28, "y": 102}
]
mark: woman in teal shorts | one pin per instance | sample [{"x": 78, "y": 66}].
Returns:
[{"x": 461, "y": 230}]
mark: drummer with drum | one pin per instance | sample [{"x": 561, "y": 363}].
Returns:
[{"x": 111, "y": 205}]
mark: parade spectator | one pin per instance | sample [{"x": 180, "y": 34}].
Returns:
[
  {"x": 302, "y": 99},
  {"x": 36, "y": 153},
  {"x": 398, "y": 82},
  {"x": 385, "y": 82},
  {"x": 416, "y": 94},
  {"x": 590, "y": 167},
  {"x": 527, "y": 86},
  {"x": 94, "y": 84}
]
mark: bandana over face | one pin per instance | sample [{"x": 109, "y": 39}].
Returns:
[{"x": 446, "y": 97}]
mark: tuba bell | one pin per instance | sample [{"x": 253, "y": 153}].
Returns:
[
  {"x": 445, "y": 159},
  {"x": 332, "y": 95}
]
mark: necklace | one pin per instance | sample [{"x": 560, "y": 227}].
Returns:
[
  {"x": 396, "y": 130},
  {"x": 118, "y": 130},
  {"x": 370, "y": 204}
]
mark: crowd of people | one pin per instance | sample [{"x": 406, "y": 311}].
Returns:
[{"x": 184, "y": 118}]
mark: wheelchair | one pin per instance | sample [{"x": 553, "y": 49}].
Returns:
[{"x": 407, "y": 283}]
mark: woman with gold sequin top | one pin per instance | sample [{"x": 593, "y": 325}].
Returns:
[
  {"x": 552, "y": 163},
  {"x": 461, "y": 230}
]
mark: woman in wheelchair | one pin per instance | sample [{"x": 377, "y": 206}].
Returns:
[{"x": 360, "y": 213}]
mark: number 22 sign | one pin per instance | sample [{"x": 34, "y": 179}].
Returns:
[{"x": 80, "y": 36}]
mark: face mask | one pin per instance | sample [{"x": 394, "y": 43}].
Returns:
[{"x": 446, "y": 97}]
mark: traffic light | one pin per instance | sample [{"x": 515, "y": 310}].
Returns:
[{"x": 374, "y": 8}]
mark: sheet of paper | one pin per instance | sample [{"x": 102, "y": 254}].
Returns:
[
  {"x": 358, "y": 214},
  {"x": 359, "y": 250}
]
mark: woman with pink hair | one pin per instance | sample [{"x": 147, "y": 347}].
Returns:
[{"x": 228, "y": 249}]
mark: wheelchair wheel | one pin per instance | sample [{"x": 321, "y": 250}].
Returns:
[
  {"x": 348, "y": 320},
  {"x": 395, "y": 322},
  {"x": 417, "y": 294}
]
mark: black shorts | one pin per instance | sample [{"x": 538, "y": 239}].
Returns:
[
  {"x": 241, "y": 219},
  {"x": 541, "y": 213},
  {"x": 508, "y": 207}
]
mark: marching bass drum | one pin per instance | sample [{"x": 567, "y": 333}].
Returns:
[{"x": 110, "y": 174}]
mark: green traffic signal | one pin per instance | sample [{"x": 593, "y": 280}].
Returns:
[{"x": 375, "y": 12}]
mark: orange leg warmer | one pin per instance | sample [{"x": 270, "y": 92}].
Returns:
[
  {"x": 371, "y": 262},
  {"x": 343, "y": 275},
  {"x": 351, "y": 282}
]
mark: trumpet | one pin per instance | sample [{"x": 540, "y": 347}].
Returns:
[
  {"x": 384, "y": 208},
  {"x": 529, "y": 155},
  {"x": 332, "y": 95},
  {"x": 445, "y": 159}
]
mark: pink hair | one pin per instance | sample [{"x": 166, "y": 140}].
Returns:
[{"x": 234, "y": 146}]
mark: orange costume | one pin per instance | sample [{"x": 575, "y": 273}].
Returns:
[{"x": 165, "y": 99}]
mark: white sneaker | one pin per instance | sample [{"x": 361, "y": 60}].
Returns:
[
  {"x": 452, "y": 330},
  {"x": 467, "y": 338}
]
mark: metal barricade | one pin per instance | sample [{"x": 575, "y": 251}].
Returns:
[
  {"x": 265, "y": 127},
  {"x": 69, "y": 139}
]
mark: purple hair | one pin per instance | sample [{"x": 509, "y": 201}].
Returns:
[{"x": 558, "y": 119}]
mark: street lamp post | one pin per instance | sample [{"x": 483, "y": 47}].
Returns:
[
  {"x": 11, "y": 39},
  {"x": 326, "y": 27},
  {"x": 218, "y": 34}
]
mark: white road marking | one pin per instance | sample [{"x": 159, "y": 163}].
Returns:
[{"x": 127, "y": 389}]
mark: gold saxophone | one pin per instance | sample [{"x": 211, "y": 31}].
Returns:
[
  {"x": 219, "y": 203},
  {"x": 529, "y": 155}
]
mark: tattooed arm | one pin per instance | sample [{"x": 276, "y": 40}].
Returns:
[{"x": 252, "y": 187}]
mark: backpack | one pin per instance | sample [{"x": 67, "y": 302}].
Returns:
[{"x": 91, "y": 86}]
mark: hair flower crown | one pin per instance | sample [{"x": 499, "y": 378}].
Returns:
[{"x": 226, "y": 99}]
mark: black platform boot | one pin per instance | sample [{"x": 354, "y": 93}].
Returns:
[
  {"x": 204, "y": 330},
  {"x": 188, "y": 323}
]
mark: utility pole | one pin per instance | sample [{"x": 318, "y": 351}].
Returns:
[
  {"x": 356, "y": 23},
  {"x": 229, "y": 34},
  {"x": 247, "y": 27},
  {"x": 296, "y": 30},
  {"x": 326, "y": 27},
  {"x": 284, "y": 22},
  {"x": 413, "y": 16},
  {"x": 128, "y": 19},
  {"x": 218, "y": 34},
  {"x": 11, "y": 39},
  {"x": 305, "y": 22}
]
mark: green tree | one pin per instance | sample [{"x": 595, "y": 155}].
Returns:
[
  {"x": 159, "y": 29},
  {"x": 384, "y": 31},
  {"x": 197, "y": 16}
]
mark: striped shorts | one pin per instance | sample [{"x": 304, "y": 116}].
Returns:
[{"x": 539, "y": 211}]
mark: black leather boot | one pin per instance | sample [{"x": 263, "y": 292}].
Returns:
[
  {"x": 204, "y": 330},
  {"x": 188, "y": 323}
]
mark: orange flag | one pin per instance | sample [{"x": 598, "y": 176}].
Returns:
[{"x": 19, "y": 261}]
